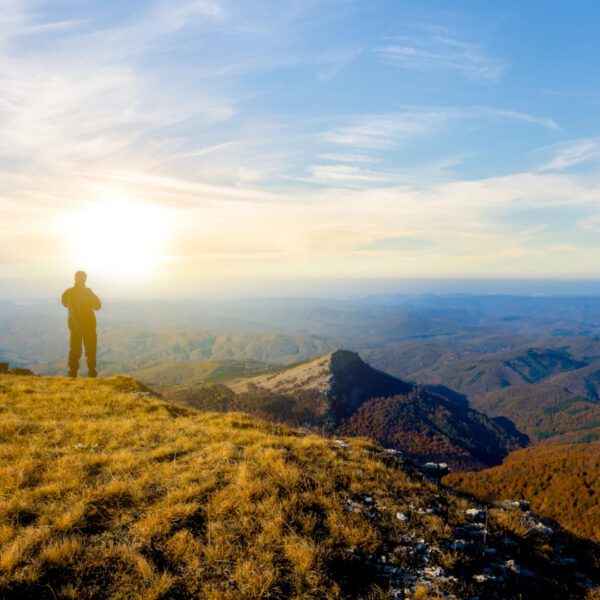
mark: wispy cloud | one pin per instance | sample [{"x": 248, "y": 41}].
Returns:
[
  {"x": 175, "y": 105},
  {"x": 389, "y": 129},
  {"x": 570, "y": 154},
  {"x": 518, "y": 116},
  {"x": 335, "y": 60},
  {"x": 347, "y": 157},
  {"x": 379, "y": 131},
  {"x": 591, "y": 222},
  {"x": 436, "y": 48}
]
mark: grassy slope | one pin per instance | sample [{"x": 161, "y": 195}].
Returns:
[
  {"x": 107, "y": 492},
  {"x": 562, "y": 482}
]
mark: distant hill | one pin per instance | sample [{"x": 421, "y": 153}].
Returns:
[
  {"x": 130, "y": 349},
  {"x": 486, "y": 373},
  {"x": 109, "y": 492},
  {"x": 562, "y": 482},
  {"x": 429, "y": 427},
  {"x": 339, "y": 390},
  {"x": 566, "y": 405},
  {"x": 422, "y": 355},
  {"x": 173, "y": 373}
]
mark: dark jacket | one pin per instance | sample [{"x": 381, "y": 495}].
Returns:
[{"x": 82, "y": 303}]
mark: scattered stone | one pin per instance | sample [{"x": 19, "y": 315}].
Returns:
[
  {"x": 515, "y": 504},
  {"x": 458, "y": 545},
  {"x": 475, "y": 514},
  {"x": 541, "y": 530},
  {"x": 511, "y": 565},
  {"x": 401, "y": 517},
  {"x": 435, "y": 470},
  {"x": 393, "y": 452}
]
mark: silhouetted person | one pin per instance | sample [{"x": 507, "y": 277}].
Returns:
[{"x": 81, "y": 302}]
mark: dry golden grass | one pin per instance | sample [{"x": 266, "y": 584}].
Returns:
[{"x": 106, "y": 492}]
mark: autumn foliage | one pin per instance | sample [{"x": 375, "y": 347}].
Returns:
[{"x": 561, "y": 482}]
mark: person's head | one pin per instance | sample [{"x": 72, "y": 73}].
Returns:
[{"x": 80, "y": 278}]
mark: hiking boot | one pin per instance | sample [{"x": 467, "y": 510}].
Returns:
[
  {"x": 93, "y": 374},
  {"x": 73, "y": 374}
]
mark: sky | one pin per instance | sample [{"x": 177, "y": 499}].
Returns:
[{"x": 175, "y": 146}]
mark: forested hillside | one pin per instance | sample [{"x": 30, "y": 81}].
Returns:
[{"x": 562, "y": 482}]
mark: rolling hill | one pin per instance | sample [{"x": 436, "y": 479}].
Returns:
[
  {"x": 130, "y": 349},
  {"x": 561, "y": 409},
  {"x": 490, "y": 372},
  {"x": 109, "y": 492},
  {"x": 562, "y": 482},
  {"x": 175, "y": 373}
]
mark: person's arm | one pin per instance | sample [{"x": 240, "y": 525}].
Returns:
[
  {"x": 95, "y": 303},
  {"x": 65, "y": 298}
]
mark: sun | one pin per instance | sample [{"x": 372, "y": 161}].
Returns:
[{"x": 117, "y": 238}]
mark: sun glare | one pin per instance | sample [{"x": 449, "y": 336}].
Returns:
[{"x": 117, "y": 238}]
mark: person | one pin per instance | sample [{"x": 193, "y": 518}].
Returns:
[{"x": 81, "y": 303}]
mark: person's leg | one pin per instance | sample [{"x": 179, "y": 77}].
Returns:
[
  {"x": 90, "y": 341},
  {"x": 74, "y": 351}
]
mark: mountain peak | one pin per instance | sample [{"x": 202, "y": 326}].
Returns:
[{"x": 342, "y": 379}]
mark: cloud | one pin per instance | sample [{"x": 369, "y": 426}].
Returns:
[
  {"x": 347, "y": 157},
  {"x": 334, "y": 61},
  {"x": 591, "y": 222},
  {"x": 386, "y": 130},
  {"x": 519, "y": 116},
  {"x": 407, "y": 243},
  {"x": 162, "y": 107},
  {"x": 438, "y": 49},
  {"x": 570, "y": 154},
  {"x": 350, "y": 174}
]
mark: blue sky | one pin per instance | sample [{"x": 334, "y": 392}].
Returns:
[{"x": 302, "y": 139}]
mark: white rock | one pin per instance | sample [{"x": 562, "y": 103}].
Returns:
[
  {"x": 340, "y": 444},
  {"x": 401, "y": 517},
  {"x": 474, "y": 514}
]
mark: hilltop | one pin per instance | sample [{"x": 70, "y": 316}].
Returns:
[
  {"x": 341, "y": 377},
  {"x": 109, "y": 492}
]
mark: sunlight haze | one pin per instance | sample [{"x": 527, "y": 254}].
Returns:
[{"x": 170, "y": 145}]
